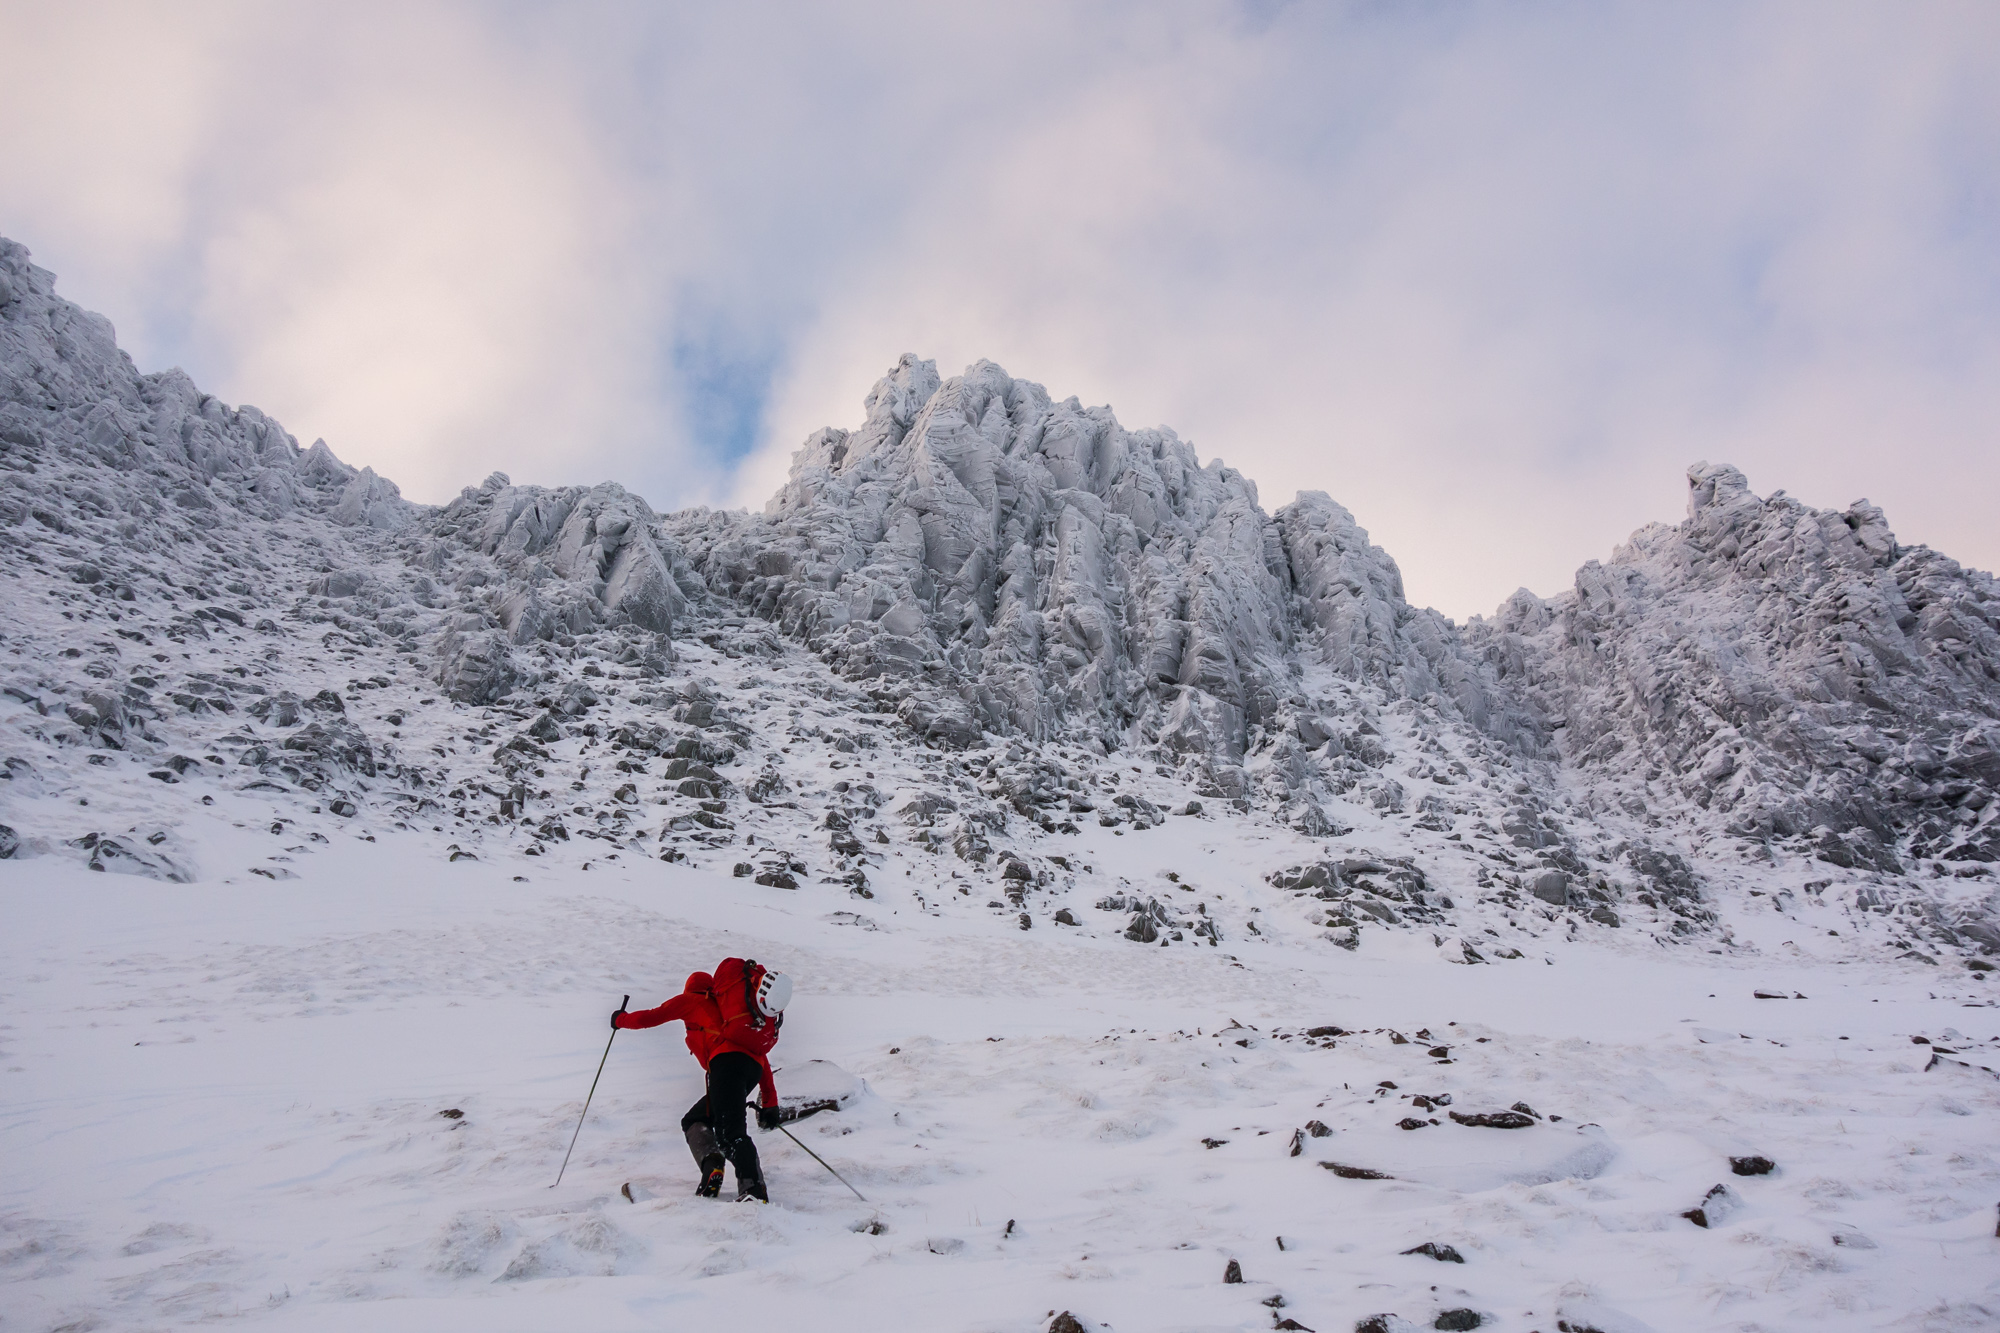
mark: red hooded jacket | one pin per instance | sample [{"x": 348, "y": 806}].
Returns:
[{"x": 712, "y": 1010}]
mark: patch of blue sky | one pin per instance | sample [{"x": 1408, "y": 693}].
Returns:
[{"x": 725, "y": 387}]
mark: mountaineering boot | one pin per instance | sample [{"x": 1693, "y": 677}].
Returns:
[
  {"x": 751, "y": 1188},
  {"x": 711, "y": 1177}
]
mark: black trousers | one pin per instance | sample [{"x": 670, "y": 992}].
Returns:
[{"x": 732, "y": 1077}]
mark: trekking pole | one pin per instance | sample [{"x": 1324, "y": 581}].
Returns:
[
  {"x": 593, "y": 1092},
  {"x": 822, "y": 1161}
]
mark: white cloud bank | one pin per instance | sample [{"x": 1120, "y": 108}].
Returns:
[{"x": 1489, "y": 275}]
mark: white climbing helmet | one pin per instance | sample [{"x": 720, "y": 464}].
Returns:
[{"x": 774, "y": 992}]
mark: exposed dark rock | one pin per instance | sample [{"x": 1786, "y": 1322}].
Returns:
[
  {"x": 126, "y": 855},
  {"x": 1752, "y": 1166},
  {"x": 1438, "y": 1251},
  {"x": 334, "y": 745},
  {"x": 1495, "y": 1119},
  {"x": 1146, "y": 921},
  {"x": 1716, "y": 1205},
  {"x": 278, "y": 710}
]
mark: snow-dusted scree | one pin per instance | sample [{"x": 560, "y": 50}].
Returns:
[{"x": 1170, "y": 900}]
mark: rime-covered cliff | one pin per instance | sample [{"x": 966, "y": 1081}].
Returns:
[{"x": 1068, "y": 617}]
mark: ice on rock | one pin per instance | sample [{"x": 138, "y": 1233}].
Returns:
[
  {"x": 373, "y": 501},
  {"x": 1795, "y": 672},
  {"x": 1002, "y": 562},
  {"x": 1098, "y": 623}
]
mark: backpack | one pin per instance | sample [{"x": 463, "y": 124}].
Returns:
[{"x": 736, "y": 982}]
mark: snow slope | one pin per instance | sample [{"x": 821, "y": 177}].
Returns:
[
  {"x": 224, "y": 1100},
  {"x": 326, "y": 813}
]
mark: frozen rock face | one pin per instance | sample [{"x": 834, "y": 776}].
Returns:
[
  {"x": 1793, "y": 672},
  {"x": 559, "y": 563},
  {"x": 1089, "y": 628},
  {"x": 1001, "y": 562},
  {"x": 1349, "y": 596},
  {"x": 158, "y": 494},
  {"x": 159, "y": 452}
]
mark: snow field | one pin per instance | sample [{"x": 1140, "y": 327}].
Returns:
[{"x": 223, "y": 1101}]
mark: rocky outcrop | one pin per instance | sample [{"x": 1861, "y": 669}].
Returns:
[
  {"x": 117, "y": 467},
  {"x": 150, "y": 455},
  {"x": 1791, "y": 671},
  {"x": 1026, "y": 578},
  {"x": 996, "y": 561},
  {"x": 553, "y": 564}
]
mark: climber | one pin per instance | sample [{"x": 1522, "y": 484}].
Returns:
[{"x": 732, "y": 1019}]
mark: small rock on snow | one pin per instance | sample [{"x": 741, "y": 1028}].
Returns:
[
  {"x": 1717, "y": 1204},
  {"x": 1494, "y": 1119},
  {"x": 1444, "y": 1254}
]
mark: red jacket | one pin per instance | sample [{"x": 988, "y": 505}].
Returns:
[{"x": 709, "y": 1032}]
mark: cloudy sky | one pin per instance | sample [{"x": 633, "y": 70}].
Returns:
[{"x": 1491, "y": 275}]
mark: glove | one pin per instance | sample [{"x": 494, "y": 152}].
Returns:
[
  {"x": 767, "y": 1117},
  {"x": 617, "y": 1014}
]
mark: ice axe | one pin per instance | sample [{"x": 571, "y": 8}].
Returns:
[
  {"x": 821, "y": 1160},
  {"x": 593, "y": 1092}
]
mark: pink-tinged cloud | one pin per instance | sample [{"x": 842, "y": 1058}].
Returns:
[{"x": 1491, "y": 276}]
